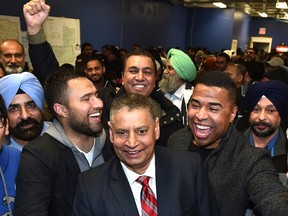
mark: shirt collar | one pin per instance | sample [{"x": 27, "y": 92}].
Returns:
[{"x": 132, "y": 176}]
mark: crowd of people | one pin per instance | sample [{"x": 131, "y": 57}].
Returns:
[{"x": 145, "y": 132}]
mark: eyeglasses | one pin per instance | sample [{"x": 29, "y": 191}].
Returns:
[{"x": 2, "y": 121}]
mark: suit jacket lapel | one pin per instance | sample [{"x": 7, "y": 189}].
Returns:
[
  {"x": 164, "y": 181},
  {"x": 122, "y": 191}
]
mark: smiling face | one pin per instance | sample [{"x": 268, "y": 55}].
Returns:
[
  {"x": 139, "y": 75},
  {"x": 95, "y": 70},
  {"x": 210, "y": 112},
  {"x": 12, "y": 56},
  {"x": 84, "y": 107},
  {"x": 264, "y": 119},
  {"x": 133, "y": 133}
]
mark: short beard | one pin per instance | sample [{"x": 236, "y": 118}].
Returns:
[
  {"x": 265, "y": 133},
  {"x": 169, "y": 84},
  {"x": 82, "y": 126},
  {"x": 27, "y": 134},
  {"x": 11, "y": 70}
]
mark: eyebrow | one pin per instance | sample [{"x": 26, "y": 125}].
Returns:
[
  {"x": 210, "y": 103},
  {"x": 17, "y": 104},
  {"x": 89, "y": 94}
]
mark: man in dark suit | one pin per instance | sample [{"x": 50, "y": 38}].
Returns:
[{"x": 176, "y": 178}]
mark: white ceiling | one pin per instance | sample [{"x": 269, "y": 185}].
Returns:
[{"x": 251, "y": 7}]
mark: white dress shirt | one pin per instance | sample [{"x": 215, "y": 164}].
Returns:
[{"x": 136, "y": 187}]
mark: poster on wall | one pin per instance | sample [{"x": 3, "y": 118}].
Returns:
[
  {"x": 10, "y": 28},
  {"x": 64, "y": 36}
]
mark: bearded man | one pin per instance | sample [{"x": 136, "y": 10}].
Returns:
[
  {"x": 24, "y": 99},
  {"x": 12, "y": 56},
  {"x": 176, "y": 80},
  {"x": 267, "y": 105}
]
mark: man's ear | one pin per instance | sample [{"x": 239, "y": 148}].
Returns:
[
  {"x": 157, "y": 128},
  {"x": 233, "y": 114},
  {"x": 60, "y": 110},
  {"x": 110, "y": 132}
]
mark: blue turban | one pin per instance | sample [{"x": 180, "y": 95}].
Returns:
[
  {"x": 27, "y": 82},
  {"x": 276, "y": 91},
  {"x": 182, "y": 64}
]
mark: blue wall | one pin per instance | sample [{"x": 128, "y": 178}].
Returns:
[
  {"x": 157, "y": 22},
  {"x": 241, "y": 29},
  {"x": 276, "y": 29},
  {"x": 212, "y": 28}
]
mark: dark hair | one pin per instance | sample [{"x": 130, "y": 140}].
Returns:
[
  {"x": 221, "y": 80},
  {"x": 86, "y": 44},
  {"x": 256, "y": 70},
  {"x": 96, "y": 57},
  {"x": 141, "y": 53},
  {"x": 3, "y": 111},
  {"x": 3, "y": 68},
  {"x": 133, "y": 101},
  {"x": 55, "y": 88},
  {"x": 225, "y": 55},
  {"x": 67, "y": 66}
]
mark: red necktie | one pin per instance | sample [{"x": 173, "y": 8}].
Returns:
[{"x": 148, "y": 199}]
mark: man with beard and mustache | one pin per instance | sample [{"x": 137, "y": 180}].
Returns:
[
  {"x": 24, "y": 99},
  {"x": 176, "y": 80},
  {"x": 267, "y": 108},
  {"x": 12, "y": 56},
  {"x": 95, "y": 70},
  {"x": 75, "y": 142}
]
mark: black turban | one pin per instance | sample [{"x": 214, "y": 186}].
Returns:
[{"x": 276, "y": 91}]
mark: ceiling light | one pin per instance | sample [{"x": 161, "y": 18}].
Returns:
[
  {"x": 281, "y": 5},
  {"x": 219, "y": 4},
  {"x": 263, "y": 14}
]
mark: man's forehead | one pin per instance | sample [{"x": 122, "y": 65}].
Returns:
[
  {"x": 139, "y": 58},
  {"x": 11, "y": 44},
  {"x": 265, "y": 101},
  {"x": 79, "y": 85}
]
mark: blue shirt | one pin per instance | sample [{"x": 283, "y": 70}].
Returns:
[{"x": 9, "y": 161}]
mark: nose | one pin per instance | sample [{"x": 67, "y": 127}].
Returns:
[
  {"x": 165, "y": 71},
  {"x": 140, "y": 75},
  {"x": 132, "y": 140},
  {"x": 201, "y": 114},
  {"x": 262, "y": 115},
  {"x": 97, "y": 103},
  {"x": 13, "y": 59},
  {"x": 24, "y": 113}
]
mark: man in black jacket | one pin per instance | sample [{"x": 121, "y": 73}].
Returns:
[
  {"x": 139, "y": 76},
  {"x": 237, "y": 171},
  {"x": 75, "y": 142}
]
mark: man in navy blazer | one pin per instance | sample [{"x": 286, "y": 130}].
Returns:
[{"x": 176, "y": 178}]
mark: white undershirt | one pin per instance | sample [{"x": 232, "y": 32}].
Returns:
[
  {"x": 137, "y": 187},
  {"x": 88, "y": 155}
]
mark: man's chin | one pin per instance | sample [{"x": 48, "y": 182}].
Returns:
[{"x": 13, "y": 70}]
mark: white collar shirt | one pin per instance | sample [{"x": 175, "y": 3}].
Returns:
[{"x": 137, "y": 187}]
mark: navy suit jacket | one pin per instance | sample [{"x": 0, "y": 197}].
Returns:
[{"x": 182, "y": 188}]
